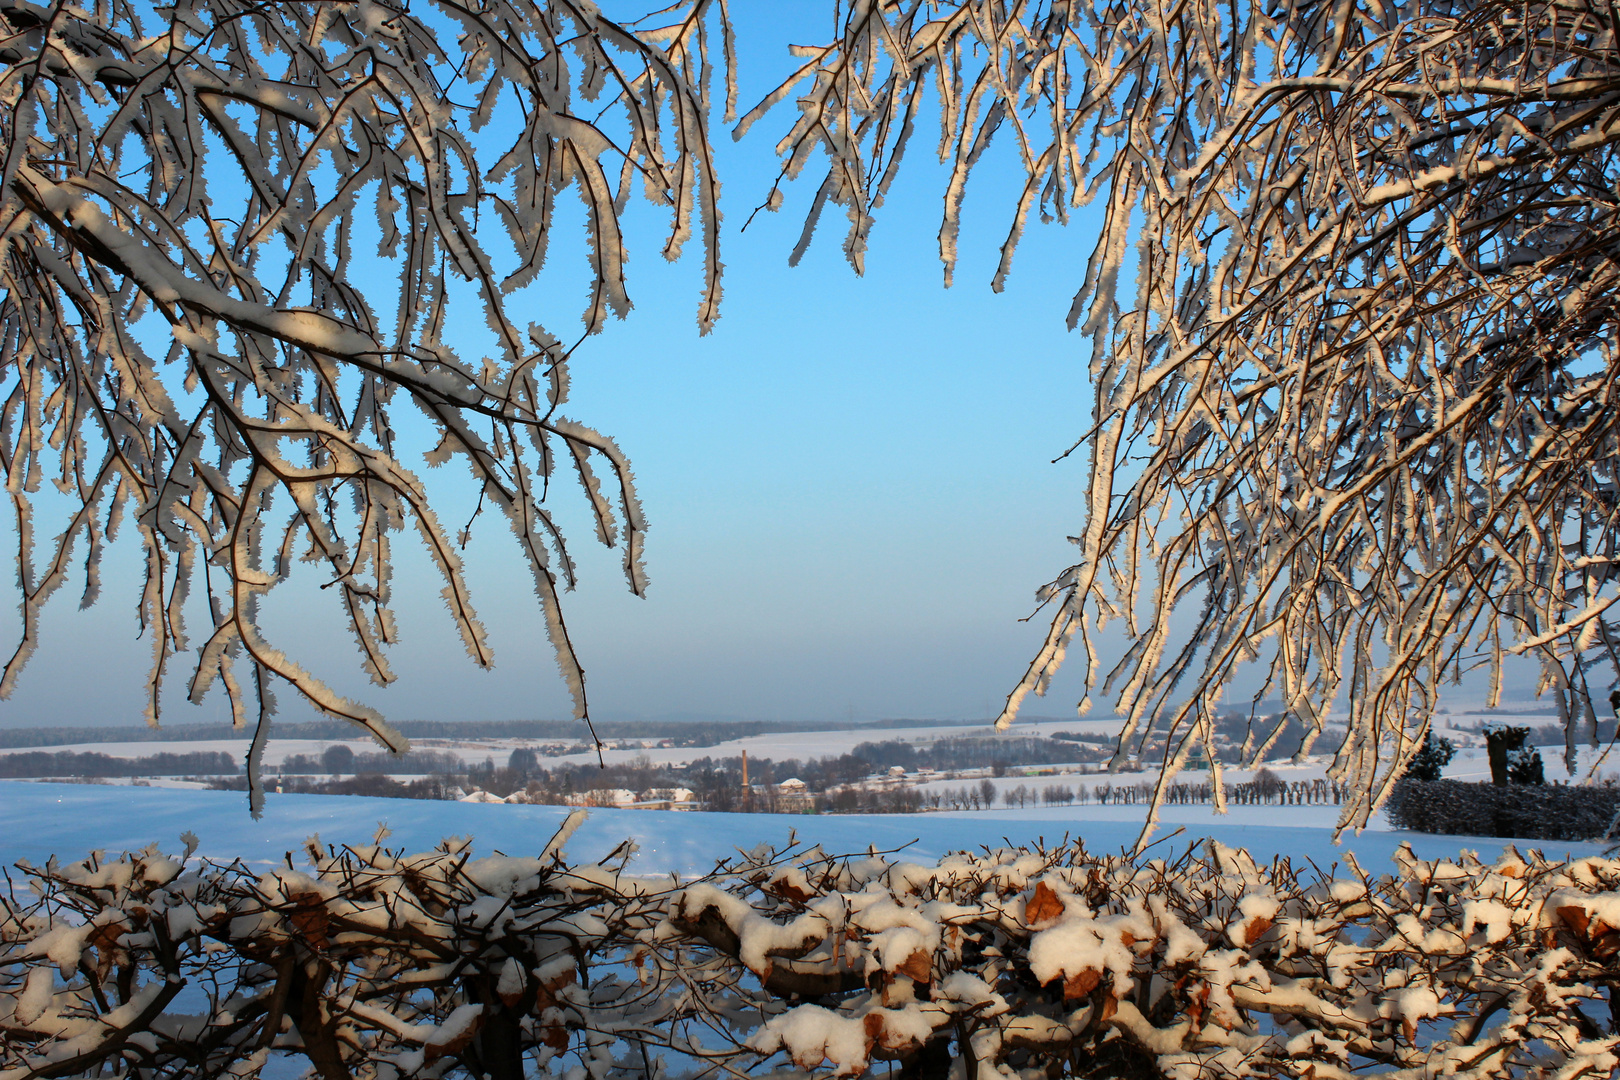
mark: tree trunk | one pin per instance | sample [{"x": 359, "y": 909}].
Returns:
[
  {"x": 1497, "y": 750},
  {"x": 315, "y": 1025}
]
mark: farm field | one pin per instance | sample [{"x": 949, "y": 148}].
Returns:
[{"x": 778, "y": 745}]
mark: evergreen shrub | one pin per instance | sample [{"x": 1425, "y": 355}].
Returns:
[{"x": 1529, "y": 811}]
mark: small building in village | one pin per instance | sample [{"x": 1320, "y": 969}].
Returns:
[{"x": 794, "y": 795}]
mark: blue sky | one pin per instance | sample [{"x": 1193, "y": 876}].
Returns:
[{"x": 848, "y": 482}]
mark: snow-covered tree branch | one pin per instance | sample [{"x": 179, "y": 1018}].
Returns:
[
  {"x": 190, "y": 198},
  {"x": 369, "y": 963},
  {"x": 1351, "y": 314}
]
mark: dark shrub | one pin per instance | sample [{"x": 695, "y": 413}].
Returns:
[
  {"x": 337, "y": 759},
  {"x": 1546, "y": 812},
  {"x": 1432, "y": 757}
]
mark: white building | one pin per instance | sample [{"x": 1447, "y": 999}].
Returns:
[
  {"x": 602, "y": 797},
  {"x": 668, "y": 799}
]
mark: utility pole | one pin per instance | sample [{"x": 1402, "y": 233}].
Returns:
[{"x": 747, "y": 792}]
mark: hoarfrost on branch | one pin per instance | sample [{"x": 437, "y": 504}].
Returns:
[
  {"x": 1351, "y": 312},
  {"x": 191, "y": 335}
]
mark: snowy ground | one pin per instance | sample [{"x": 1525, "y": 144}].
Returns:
[{"x": 67, "y": 820}]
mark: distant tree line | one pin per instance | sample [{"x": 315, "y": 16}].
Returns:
[
  {"x": 91, "y": 765},
  {"x": 339, "y": 759},
  {"x": 1553, "y": 734},
  {"x": 1241, "y": 733},
  {"x": 1247, "y": 733},
  {"x": 973, "y": 753},
  {"x": 373, "y": 785},
  {"x": 680, "y": 732},
  {"x": 1266, "y": 788},
  {"x": 716, "y": 783}
]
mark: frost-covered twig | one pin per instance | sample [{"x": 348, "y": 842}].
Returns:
[
  {"x": 193, "y": 330},
  {"x": 1351, "y": 317}
]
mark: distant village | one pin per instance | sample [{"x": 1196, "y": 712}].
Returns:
[{"x": 736, "y": 768}]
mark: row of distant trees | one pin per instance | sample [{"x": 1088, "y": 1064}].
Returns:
[
  {"x": 718, "y": 785},
  {"x": 523, "y": 763},
  {"x": 35, "y": 763}
]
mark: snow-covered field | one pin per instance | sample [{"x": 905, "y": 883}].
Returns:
[
  {"x": 40, "y": 820},
  {"x": 67, "y": 820},
  {"x": 776, "y": 745},
  {"x": 1470, "y": 763},
  {"x": 779, "y": 746}
]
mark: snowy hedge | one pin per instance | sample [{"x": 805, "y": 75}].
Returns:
[
  {"x": 1536, "y": 811},
  {"x": 1018, "y": 962}
]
